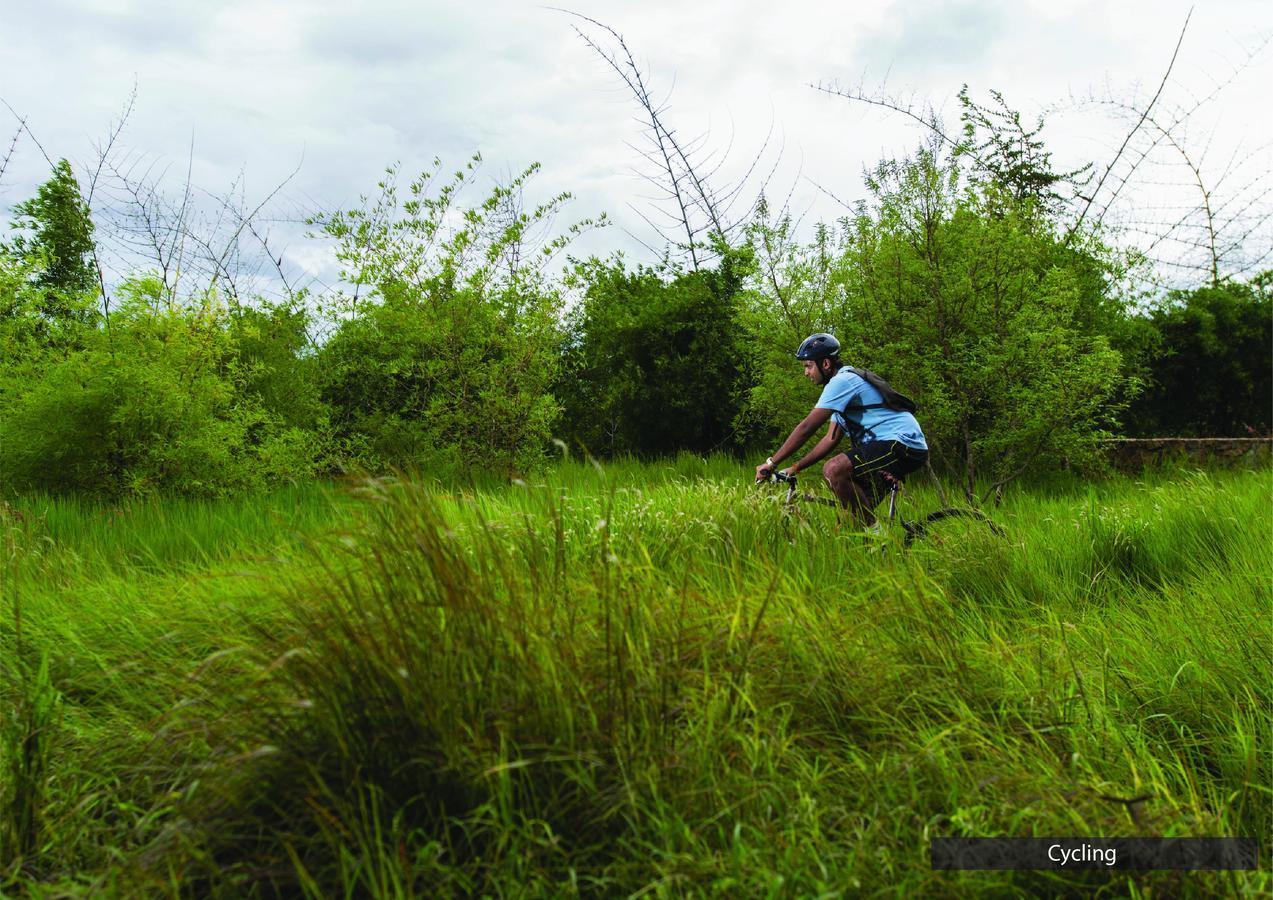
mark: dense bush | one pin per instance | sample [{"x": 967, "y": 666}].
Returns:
[
  {"x": 441, "y": 383},
  {"x": 1214, "y": 374},
  {"x": 156, "y": 402},
  {"x": 654, "y": 359},
  {"x": 444, "y": 350},
  {"x": 161, "y": 395},
  {"x": 278, "y": 363}
]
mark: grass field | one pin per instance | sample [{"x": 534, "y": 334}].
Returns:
[{"x": 632, "y": 680}]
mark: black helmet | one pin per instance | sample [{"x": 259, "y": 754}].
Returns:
[{"x": 818, "y": 346}]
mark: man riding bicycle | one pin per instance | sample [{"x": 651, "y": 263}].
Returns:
[{"x": 885, "y": 438}]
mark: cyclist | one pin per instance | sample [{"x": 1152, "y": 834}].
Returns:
[{"x": 884, "y": 439}]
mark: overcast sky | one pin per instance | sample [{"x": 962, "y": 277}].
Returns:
[{"x": 351, "y": 87}]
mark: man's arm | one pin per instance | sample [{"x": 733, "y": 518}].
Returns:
[
  {"x": 820, "y": 449},
  {"x": 799, "y": 435}
]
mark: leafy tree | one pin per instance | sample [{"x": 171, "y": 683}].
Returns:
[
  {"x": 439, "y": 384},
  {"x": 58, "y": 237},
  {"x": 1214, "y": 375},
  {"x": 278, "y": 362},
  {"x": 445, "y": 349},
  {"x": 22, "y": 328},
  {"x": 654, "y": 359},
  {"x": 969, "y": 301},
  {"x": 793, "y": 290}
]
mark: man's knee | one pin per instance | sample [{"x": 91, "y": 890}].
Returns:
[{"x": 836, "y": 468}]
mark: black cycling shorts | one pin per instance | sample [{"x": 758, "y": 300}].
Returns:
[{"x": 872, "y": 458}]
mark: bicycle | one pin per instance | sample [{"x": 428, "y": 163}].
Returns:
[{"x": 914, "y": 530}]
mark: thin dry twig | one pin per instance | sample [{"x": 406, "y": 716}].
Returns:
[{"x": 1073, "y": 230}]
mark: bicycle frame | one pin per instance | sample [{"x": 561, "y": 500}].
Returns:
[
  {"x": 914, "y": 530},
  {"x": 894, "y": 488}
]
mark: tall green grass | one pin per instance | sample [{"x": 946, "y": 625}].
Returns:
[
  {"x": 638, "y": 680},
  {"x": 157, "y": 534}
]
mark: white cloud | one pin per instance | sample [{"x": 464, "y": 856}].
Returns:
[{"x": 355, "y": 87}]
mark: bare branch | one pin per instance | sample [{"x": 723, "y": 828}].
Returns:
[
  {"x": 630, "y": 74},
  {"x": 232, "y": 243},
  {"x": 848, "y": 206},
  {"x": 1113, "y": 162},
  {"x": 13, "y": 146},
  {"x": 23, "y": 126},
  {"x": 103, "y": 156},
  {"x": 687, "y": 169},
  {"x": 929, "y": 119}
]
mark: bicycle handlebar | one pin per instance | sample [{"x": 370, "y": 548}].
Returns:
[{"x": 775, "y": 475}]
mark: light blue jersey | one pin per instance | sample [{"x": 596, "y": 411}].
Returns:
[{"x": 882, "y": 424}]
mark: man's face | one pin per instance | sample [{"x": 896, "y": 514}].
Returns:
[{"x": 811, "y": 370}]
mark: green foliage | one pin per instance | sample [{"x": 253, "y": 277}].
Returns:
[
  {"x": 1214, "y": 375},
  {"x": 795, "y": 290},
  {"x": 448, "y": 345},
  {"x": 25, "y": 333},
  {"x": 159, "y": 402},
  {"x": 273, "y": 349},
  {"x": 441, "y": 355},
  {"x": 966, "y": 302},
  {"x": 653, "y": 359},
  {"x": 27, "y": 732},
  {"x": 58, "y": 238},
  {"x": 276, "y": 366},
  {"x": 1012, "y": 159},
  {"x": 444, "y": 352}
]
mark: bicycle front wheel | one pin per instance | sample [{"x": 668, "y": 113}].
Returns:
[{"x": 953, "y": 525}]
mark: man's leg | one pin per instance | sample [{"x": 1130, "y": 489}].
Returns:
[{"x": 838, "y": 474}]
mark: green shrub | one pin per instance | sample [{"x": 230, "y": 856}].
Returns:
[
  {"x": 443, "y": 384},
  {"x": 444, "y": 351},
  {"x": 653, "y": 361},
  {"x": 156, "y": 402},
  {"x": 1214, "y": 372}
]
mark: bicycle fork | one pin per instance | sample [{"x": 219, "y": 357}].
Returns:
[{"x": 894, "y": 487}]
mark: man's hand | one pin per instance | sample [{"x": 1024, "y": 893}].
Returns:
[{"x": 764, "y": 470}]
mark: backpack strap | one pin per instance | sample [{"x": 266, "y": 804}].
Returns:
[
  {"x": 891, "y": 399},
  {"x": 857, "y": 431}
]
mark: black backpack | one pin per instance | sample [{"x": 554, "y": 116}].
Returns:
[{"x": 893, "y": 399}]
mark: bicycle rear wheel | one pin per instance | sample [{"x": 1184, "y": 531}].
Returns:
[{"x": 953, "y": 525}]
